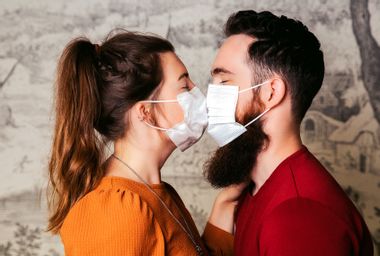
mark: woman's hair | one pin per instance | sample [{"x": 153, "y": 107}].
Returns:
[{"x": 96, "y": 86}]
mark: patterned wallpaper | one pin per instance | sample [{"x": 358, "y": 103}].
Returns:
[{"x": 341, "y": 128}]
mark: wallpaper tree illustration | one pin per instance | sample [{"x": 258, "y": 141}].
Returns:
[
  {"x": 9, "y": 74},
  {"x": 369, "y": 52},
  {"x": 370, "y": 59}
]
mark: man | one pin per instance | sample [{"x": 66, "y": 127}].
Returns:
[{"x": 269, "y": 69}]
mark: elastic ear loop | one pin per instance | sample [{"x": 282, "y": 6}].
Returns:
[
  {"x": 250, "y": 88},
  {"x": 257, "y": 117},
  {"x": 158, "y": 101},
  {"x": 253, "y": 87}
]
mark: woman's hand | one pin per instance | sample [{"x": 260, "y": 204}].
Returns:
[{"x": 223, "y": 211}]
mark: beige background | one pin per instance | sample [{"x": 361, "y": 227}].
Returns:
[{"x": 340, "y": 129}]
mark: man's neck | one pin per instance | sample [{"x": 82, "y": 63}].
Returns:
[{"x": 278, "y": 149}]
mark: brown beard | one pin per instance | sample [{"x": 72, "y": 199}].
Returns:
[{"x": 233, "y": 163}]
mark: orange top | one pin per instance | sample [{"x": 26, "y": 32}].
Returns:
[{"x": 123, "y": 217}]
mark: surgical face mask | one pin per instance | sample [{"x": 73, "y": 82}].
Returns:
[
  {"x": 191, "y": 129},
  {"x": 221, "y": 105}
]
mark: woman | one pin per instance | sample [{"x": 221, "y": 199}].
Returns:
[{"x": 135, "y": 92}]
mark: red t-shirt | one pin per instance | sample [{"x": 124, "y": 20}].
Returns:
[{"x": 300, "y": 210}]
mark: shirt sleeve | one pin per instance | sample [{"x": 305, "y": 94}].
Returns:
[
  {"x": 304, "y": 227},
  {"x": 144, "y": 235},
  {"x": 112, "y": 223},
  {"x": 217, "y": 241}
]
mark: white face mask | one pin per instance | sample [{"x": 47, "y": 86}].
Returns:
[
  {"x": 221, "y": 105},
  {"x": 191, "y": 129}
]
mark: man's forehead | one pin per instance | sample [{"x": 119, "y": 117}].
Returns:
[
  {"x": 233, "y": 52},
  {"x": 239, "y": 40}
]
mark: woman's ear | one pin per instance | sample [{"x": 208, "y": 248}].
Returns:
[
  {"x": 274, "y": 93},
  {"x": 143, "y": 111}
]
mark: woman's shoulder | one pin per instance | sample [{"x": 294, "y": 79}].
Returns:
[
  {"x": 110, "y": 202},
  {"x": 116, "y": 213}
]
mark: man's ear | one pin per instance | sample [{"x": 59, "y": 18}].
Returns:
[{"x": 273, "y": 93}]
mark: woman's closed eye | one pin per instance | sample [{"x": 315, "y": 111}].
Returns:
[{"x": 185, "y": 87}]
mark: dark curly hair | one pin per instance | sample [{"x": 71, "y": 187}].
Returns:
[{"x": 285, "y": 47}]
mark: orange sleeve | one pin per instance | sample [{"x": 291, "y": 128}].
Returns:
[
  {"x": 117, "y": 223},
  {"x": 217, "y": 241},
  {"x": 143, "y": 235}
]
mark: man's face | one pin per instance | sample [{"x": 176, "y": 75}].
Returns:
[
  {"x": 231, "y": 67},
  {"x": 232, "y": 163}
]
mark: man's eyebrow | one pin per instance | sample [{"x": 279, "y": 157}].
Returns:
[
  {"x": 220, "y": 70},
  {"x": 186, "y": 74}
]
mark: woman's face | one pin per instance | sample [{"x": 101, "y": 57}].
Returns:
[{"x": 176, "y": 80}]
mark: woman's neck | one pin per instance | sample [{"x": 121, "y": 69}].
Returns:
[{"x": 146, "y": 161}]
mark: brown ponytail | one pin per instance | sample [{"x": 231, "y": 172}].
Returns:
[
  {"x": 75, "y": 163},
  {"x": 95, "y": 87}
]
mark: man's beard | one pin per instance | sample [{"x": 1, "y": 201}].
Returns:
[{"x": 233, "y": 163}]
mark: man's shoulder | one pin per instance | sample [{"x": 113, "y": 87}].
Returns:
[
  {"x": 311, "y": 180},
  {"x": 301, "y": 210}
]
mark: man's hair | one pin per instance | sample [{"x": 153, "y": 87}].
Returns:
[{"x": 284, "y": 47}]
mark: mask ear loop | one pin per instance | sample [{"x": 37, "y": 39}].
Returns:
[
  {"x": 253, "y": 87},
  {"x": 157, "y": 101},
  {"x": 257, "y": 117},
  {"x": 155, "y": 127},
  {"x": 250, "y": 88}
]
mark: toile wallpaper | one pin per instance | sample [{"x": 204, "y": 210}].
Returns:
[{"x": 341, "y": 128}]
